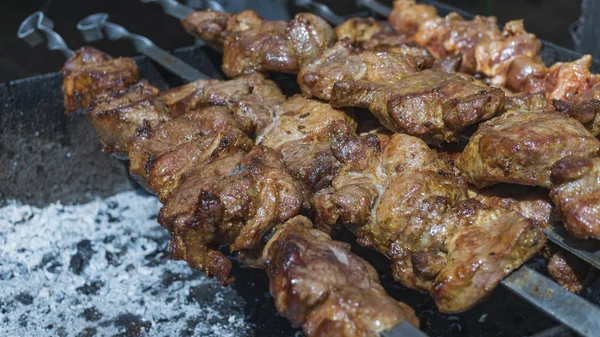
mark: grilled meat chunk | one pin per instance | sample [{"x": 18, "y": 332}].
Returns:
[
  {"x": 320, "y": 285},
  {"x": 408, "y": 204},
  {"x": 251, "y": 44},
  {"x": 116, "y": 115},
  {"x": 452, "y": 35},
  {"x": 160, "y": 156},
  {"x": 526, "y": 102},
  {"x": 435, "y": 106},
  {"x": 371, "y": 34},
  {"x": 302, "y": 133},
  {"x": 235, "y": 207},
  {"x": 531, "y": 202},
  {"x": 493, "y": 57},
  {"x": 520, "y": 147},
  {"x": 576, "y": 193},
  {"x": 252, "y": 98},
  {"x": 343, "y": 62},
  {"x": 568, "y": 271},
  {"x": 407, "y": 16},
  {"x": 586, "y": 112},
  {"x": 90, "y": 72}
]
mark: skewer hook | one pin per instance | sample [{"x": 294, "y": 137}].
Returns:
[{"x": 37, "y": 27}]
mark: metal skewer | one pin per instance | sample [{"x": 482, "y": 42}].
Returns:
[
  {"x": 96, "y": 26},
  {"x": 36, "y": 28}
]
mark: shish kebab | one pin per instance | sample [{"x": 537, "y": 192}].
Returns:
[
  {"x": 317, "y": 282},
  {"x": 391, "y": 85},
  {"x": 165, "y": 181},
  {"x": 542, "y": 104},
  {"x": 475, "y": 299}
]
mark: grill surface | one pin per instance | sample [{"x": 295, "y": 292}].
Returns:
[{"x": 46, "y": 156}]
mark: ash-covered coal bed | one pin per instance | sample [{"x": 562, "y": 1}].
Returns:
[{"x": 103, "y": 269}]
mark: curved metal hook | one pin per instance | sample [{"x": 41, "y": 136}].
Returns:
[
  {"x": 97, "y": 26},
  {"x": 36, "y": 28}
]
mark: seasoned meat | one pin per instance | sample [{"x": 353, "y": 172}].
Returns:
[
  {"x": 186, "y": 221},
  {"x": 343, "y": 62},
  {"x": 452, "y": 35},
  {"x": 371, "y": 34},
  {"x": 237, "y": 208},
  {"x": 526, "y": 102},
  {"x": 576, "y": 193},
  {"x": 487, "y": 246},
  {"x": 526, "y": 75},
  {"x": 519, "y": 147},
  {"x": 252, "y": 98},
  {"x": 586, "y": 112},
  {"x": 302, "y": 132},
  {"x": 404, "y": 201},
  {"x": 160, "y": 156},
  {"x": 435, "y": 106},
  {"x": 90, "y": 72},
  {"x": 531, "y": 202},
  {"x": 116, "y": 115},
  {"x": 568, "y": 271},
  {"x": 320, "y": 285},
  {"x": 494, "y": 57},
  {"x": 251, "y": 44},
  {"x": 407, "y": 16}
]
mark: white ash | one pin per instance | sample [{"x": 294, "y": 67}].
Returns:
[{"x": 103, "y": 269}]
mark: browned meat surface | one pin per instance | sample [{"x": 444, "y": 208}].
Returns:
[
  {"x": 252, "y": 98},
  {"x": 90, "y": 72},
  {"x": 520, "y": 147},
  {"x": 407, "y": 16},
  {"x": 531, "y": 202},
  {"x": 320, "y": 285},
  {"x": 302, "y": 132},
  {"x": 526, "y": 102},
  {"x": 493, "y": 57},
  {"x": 236, "y": 206},
  {"x": 586, "y": 112},
  {"x": 343, "y": 62},
  {"x": 371, "y": 34},
  {"x": 452, "y": 35},
  {"x": 160, "y": 156},
  {"x": 568, "y": 271},
  {"x": 400, "y": 198},
  {"x": 116, "y": 115},
  {"x": 576, "y": 193},
  {"x": 435, "y": 106},
  {"x": 251, "y": 44}
]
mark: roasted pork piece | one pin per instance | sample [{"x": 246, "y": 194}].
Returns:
[
  {"x": 252, "y": 98},
  {"x": 343, "y": 62},
  {"x": 576, "y": 193},
  {"x": 520, "y": 147},
  {"x": 320, "y": 285},
  {"x": 160, "y": 156},
  {"x": 404, "y": 201},
  {"x": 302, "y": 132},
  {"x": 568, "y": 271},
  {"x": 229, "y": 202},
  {"x": 433, "y": 105},
  {"x": 90, "y": 72},
  {"x": 252, "y": 44},
  {"x": 116, "y": 115}
]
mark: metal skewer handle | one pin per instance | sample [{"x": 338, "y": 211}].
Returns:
[
  {"x": 96, "y": 27},
  {"x": 38, "y": 27},
  {"x": 180, "y": 11}
]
